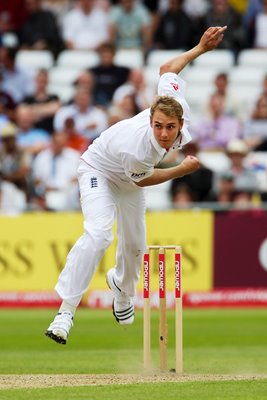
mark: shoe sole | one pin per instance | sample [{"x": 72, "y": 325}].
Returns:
[{"x": 56, "y": 338}]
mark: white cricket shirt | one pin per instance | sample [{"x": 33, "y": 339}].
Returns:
[{"x": 127, "y": 152}]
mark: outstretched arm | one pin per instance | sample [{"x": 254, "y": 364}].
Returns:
[{"x": 209, "y": 41}]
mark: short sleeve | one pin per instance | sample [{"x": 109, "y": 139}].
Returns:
[
  {"x": 172, "y": 85},
  {"x": 135, "y": 169}
]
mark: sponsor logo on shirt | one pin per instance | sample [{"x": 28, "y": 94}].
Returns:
[
  {"x": 94, "y": 182},
  {"x": 175, "y": 86},
  {"x": 134, "y": 175}
]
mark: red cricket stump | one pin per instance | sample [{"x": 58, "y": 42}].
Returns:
[
  {"x": 163, "y": 324},
  {"x": 178, "y": 312},
  {"x": 163, "y": 328},
  {"x": 147, "y": 317}
]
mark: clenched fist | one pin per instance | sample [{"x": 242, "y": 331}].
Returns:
[{"x": 190, "y": 164}]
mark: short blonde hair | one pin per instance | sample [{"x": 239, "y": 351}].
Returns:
[{"x": 168, "y": 106}]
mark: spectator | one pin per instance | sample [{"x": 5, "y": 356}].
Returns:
[
  {"x": 264, "y": 85},
  {"x": 137, "y": 87},
  {"x": 175, "y": 28},
  {"x": 223, "y": 189},
  {"x": 40, "y": 30},
  {"x": 244, "y": 178},
  {"x": 74, "y": 140},
  {"x": 126, "y": 107},
  {"x": 232, "y": 107},
  {"x": 182, "y": 196},
  {"x": 196, "y": 9},
  {"x": 108, "y": 76},
  {"x": 58, "y": 7},
  {"x": 198, "y": 184},
  {"x": 253, "y": 8},
  {"x": 14, "y": 169},
  {"x": 7, "y": 105},
  {"x": 85, "y": 80},
  {"x": 43, "y": 105},
  {"x": 130, "y": 25},
  {"x": 12, "y": 15},
  {"x": 261, "y": 27},
  {"x": 16, "y": 82},
  {"x": 85, "y": 27},
  {"x": 56, "y": 185},
  {"x": 89, "y": 120},
  {"x": 221, "y": 14},
  {"x": 255, "y": 129},
  {"x": 30, "y": 138},
  {"x": 215, "y": 131}
]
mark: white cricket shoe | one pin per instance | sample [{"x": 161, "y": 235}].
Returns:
[
  {"x": 123, "y": 307},
  {"x": 60, "y": 327}
]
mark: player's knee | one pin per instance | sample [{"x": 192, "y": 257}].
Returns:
[{"x": 101, "y": 238}]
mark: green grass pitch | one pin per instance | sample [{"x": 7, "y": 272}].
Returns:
[{"x": 216, "y": 342}]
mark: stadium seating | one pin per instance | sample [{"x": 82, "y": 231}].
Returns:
[
  {"x": 247, "y": 75},
  {"x": 64, "y": 92},
  {"x": 253, "y": 57},
  {"x": 34, "y": 59},
  {"x": 63, "y": 76},
  {"x": 221, "y": 60},
  {"x": 129, "y": 58},
  {"x": 77, "y": 59},
  {"x": 157, "y": 57}
]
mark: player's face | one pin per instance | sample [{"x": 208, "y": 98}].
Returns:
[{"x": 165, "y": 128}]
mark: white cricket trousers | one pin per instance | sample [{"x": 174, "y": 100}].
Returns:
[{"x": 102, "y": 201}]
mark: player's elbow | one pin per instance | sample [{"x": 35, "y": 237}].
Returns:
[
  {"x": 165, "y": 68},
  {"x": 140, "y": 184}
]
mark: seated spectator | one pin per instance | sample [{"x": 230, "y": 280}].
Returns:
[
  {"x": 221, "y": 13},
  {"x": 58, "y": 7},
  {"x": 74, "y": 139},
  {"x": 200, "y": 183},
  {"x": 174, "y": 28},
  {"x": 136, "y": 86},
  {"x": 43, "y": 105},
  {"x": 264, "y": 85},
  {"x": 196, "y": 9},
  {"x": 7, "y": 106},
  {"x": 40, "y": 30},
  {"x": 30, "y": 138},
  {"x": 237, "y": 177},
  {"x": 130, "y": 25},
  {"x": 86, "y": 80},
  {"x": 255, "y": 129},
  {"x": 223, "y": 189},
  {"x": 182, "y": 196},
  {"x": 221, "y": 84},
  {"x": 127, "y": 105},
  {"x": 215, "y": 132},
  {"x": 89, "y": 120},
  {"x": 254, "y": 7},
  {"x": 56, "y": 185},
  {"x": 14, "y": 169},
  {"x": 108, "y": 76},
  {"x": 85, "y": 27},
  {"x": 12, "y": 16},
  {"x": 16, "y": 82},
  {"x": 261, "y": 27}
]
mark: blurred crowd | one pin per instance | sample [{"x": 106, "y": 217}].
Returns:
[{"x": 42, "y": 136}]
